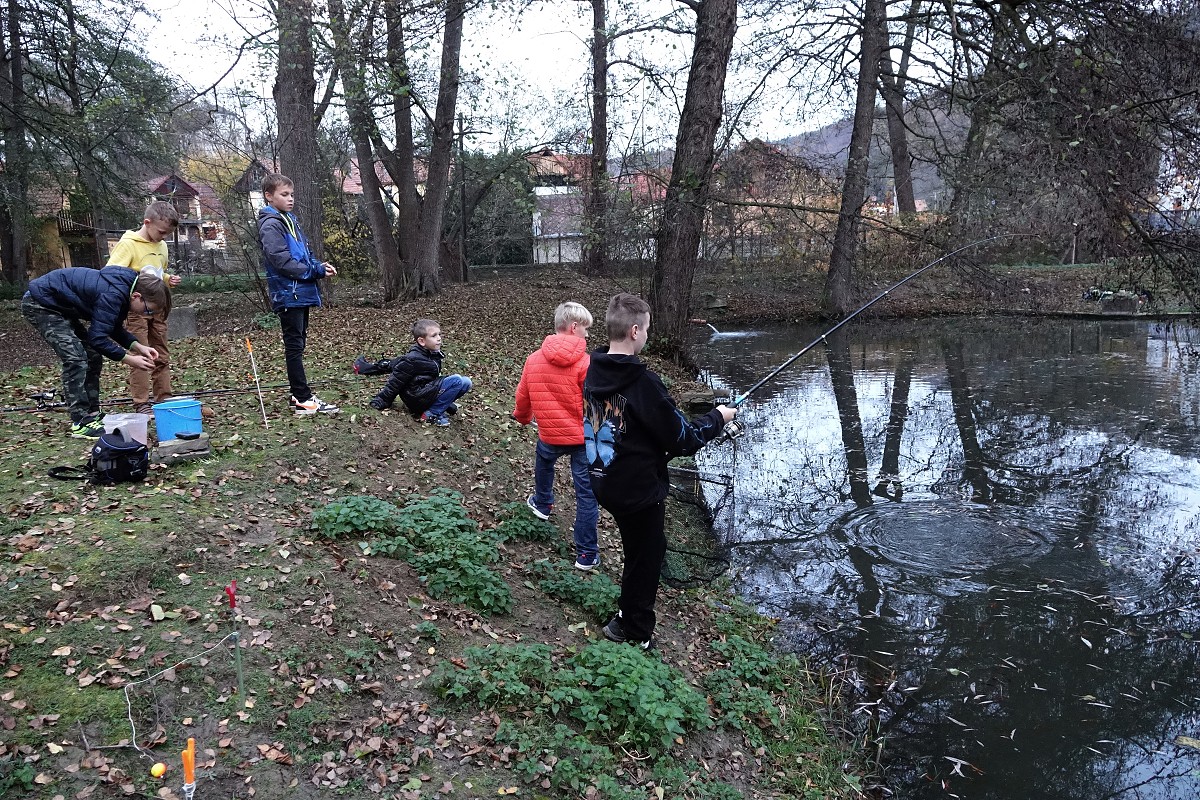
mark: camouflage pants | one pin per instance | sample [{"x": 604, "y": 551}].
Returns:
[{"x": 81, "y": 364}]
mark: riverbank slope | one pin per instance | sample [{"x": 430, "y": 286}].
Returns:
[{"x": 372, "y": 664}]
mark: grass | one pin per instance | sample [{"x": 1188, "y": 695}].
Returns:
[{"x": 345, "y": 650}]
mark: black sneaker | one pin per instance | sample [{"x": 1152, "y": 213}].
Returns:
[{"x": 615, "y": 632}]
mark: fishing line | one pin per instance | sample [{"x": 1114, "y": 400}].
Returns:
[
  {"x": 734, "y": 428},
  {"x": 45, "y": 405}
]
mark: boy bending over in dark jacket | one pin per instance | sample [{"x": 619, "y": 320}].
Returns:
[
  {"x": 416, "y": 379},
  {"x": 61, "y": 301},
  {"x": 631, "y": 430}
]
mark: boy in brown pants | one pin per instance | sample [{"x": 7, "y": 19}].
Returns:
[{"x": 144, "y": 250}]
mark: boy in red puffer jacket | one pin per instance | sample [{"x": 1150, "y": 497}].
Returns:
[{"x": 551, "y": 392}]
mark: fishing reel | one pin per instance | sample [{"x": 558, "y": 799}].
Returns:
[{"x": 734, "y": 428}]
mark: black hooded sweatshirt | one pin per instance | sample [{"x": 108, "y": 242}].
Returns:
[{"x": 647, "y": 430}]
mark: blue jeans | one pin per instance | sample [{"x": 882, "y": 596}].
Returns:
[
  {"x": 586, "y": 510},
  {"x": 453, "y": 387}
]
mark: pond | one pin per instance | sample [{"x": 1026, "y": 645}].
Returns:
[{"x": 991, "y": 527}]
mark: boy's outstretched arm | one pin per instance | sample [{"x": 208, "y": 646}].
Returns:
[
  {"x": 680, "y": 436},
  {"x": 275, "y": 247},
  {"x": 403, "y": 370}
]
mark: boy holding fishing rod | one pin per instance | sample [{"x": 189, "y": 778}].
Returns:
[{"x": 632, "y": 429}]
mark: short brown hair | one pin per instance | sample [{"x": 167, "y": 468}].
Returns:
[
  {"x": 624, "y": 311},
  {"x": 153, "y": 290},
  {"x": 275, "y": 180},
  {"x": 422, "y": 327},
  {"x": 162, "y": 211}
]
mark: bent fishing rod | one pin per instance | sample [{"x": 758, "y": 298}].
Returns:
[{"x": 734, "y": 428}]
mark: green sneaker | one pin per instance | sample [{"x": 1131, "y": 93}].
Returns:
[{"x": 88, "y": 429}]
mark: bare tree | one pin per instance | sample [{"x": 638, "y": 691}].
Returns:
[
  {"x": 838, "y": 300},
  {"x": 596, "y": 254},
  {"x": 295, "y": 111},
  {"x": 14, "y": 237},
  {"x": 362, "y": 125},
  {"x": 691, "y": 172}
]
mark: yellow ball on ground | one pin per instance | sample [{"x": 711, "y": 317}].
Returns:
[{"x": 158, "y": 770}]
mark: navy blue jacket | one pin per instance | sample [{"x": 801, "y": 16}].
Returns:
[
  {"x": 646, "y": 430},
  {"x": 416, "y": 379},
  {"x": 292, "y": 271},
  {"x": 99, "y": 296}
]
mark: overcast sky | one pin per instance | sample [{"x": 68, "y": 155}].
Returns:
[{"x": 544, "y": 55}]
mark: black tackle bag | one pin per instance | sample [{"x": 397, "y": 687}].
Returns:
[{"x": 114, "y": 459}]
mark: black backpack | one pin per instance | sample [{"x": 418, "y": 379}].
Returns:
[
  {"x": 364, "y": 366},
  {"x": 114, "y": 459}
]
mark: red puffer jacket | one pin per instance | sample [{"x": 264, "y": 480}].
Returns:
[{"x": 551, "y": 389}]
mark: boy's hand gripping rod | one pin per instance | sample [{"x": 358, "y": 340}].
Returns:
[{"x": 734, "y": 428}]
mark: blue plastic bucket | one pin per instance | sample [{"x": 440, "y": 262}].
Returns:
[{"x": 181, "y": 415}]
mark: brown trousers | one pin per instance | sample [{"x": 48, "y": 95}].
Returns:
[{"x": 150, "y": 331}]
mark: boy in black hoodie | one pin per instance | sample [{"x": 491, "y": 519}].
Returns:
[{"x": 632, "y": 429}]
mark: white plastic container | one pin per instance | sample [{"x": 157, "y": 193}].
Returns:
[{"x": 134, "y": 425}]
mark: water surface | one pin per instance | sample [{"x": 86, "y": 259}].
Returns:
[{"x": 993, "y": 524}]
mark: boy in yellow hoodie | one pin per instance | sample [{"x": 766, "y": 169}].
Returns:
[{"x": 145, "y": 250}]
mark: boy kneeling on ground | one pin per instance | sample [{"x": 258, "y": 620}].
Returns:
[{"x": 416, "y": 379}]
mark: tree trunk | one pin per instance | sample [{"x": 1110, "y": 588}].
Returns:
[
  {"x": 14, "y": 216},
  {"x": 841, "y": 375},
  {"x": 891, "y": 85},
  {"x": 295, "y": 87},
  {"x": 691, "y": 174},
  {"x": 424, "y": 267},
  {"x": 845, "y": 239},
  {"x": 403, "y": 170},
  {"x": 362, "y": 123},
  {"x": 888, "y": 484},
  {"x": 596, "y": 259},
  {"x": 974, "y": 462}
]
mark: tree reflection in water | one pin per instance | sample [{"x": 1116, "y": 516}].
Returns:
[{"x": 1020, "y": 608}]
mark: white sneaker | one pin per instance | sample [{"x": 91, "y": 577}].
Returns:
[{"x": 313, "y": 405}]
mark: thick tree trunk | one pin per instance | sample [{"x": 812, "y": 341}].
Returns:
[
  {"x": 845, "y": 239},
  {"x": 841, "y": 375},
  {"x": 891, "y": 85},
  {"x": 888, "y": 484},
  {"x": 295, "y": 87},
  {"x": 14, "y": 217},
  {"x": 403, "y": 168},
  {"x": 425, "y": 265},
  {"x": 362, "y": 123},
  {"x": 596, "y": 258},
  {"x": 691, "y": 175}
]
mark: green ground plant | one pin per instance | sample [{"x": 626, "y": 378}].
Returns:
[
  {"x": 612, "y": 692},
  {"x": 355, "y": 515},
  {"x": 594, "y": 593},
  {"x": 448, "y": 550}
]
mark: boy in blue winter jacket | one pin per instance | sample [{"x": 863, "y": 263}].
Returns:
[{"x": 292, "y": 275}]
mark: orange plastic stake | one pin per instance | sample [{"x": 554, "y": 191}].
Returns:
[
  {"x": 189, "y": 762},
  {"x": 254, "y": 367}
]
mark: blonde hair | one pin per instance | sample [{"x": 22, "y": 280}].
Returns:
[
  {"x": 624, "y": 311},
  {"x": 162, "y": 211},
  {"x": 569, "y": 312}
]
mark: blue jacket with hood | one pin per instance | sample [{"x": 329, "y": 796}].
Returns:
[
  {"x": 292, "y": 271},
  {"x": 99, "y": 296}
]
